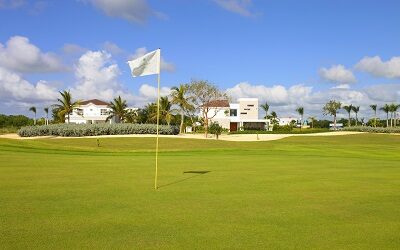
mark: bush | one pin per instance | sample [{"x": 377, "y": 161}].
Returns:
[
  {"x": 77, "y": 130},
  {"x": 373, "y": 129},
  {"x": 215, "y": 129}
]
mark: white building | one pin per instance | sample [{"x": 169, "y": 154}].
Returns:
[
  {"x": 283, "y": 121},
  {"x": 235, "y": 116},
  {"x": 90, "y": 112}
]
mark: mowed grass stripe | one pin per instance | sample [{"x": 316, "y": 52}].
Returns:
[{"x": 304, "y": 192}]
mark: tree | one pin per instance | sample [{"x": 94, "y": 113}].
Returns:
[
  {"x": 66, "y": 105},
  {"x": 312, "y": 118},
  {"x": 165, "y": 110},
  {"x": 331, "y": 108},
  {"x": 117, "y": 110},
  {"x": 348, "y": 109},
  {"x": 180, "y": 98},
  {"x": 215, "y": 129},
  {"x": 265, "y": 107},
  {"x": 204, "y": 94},
  {"x": 300, "y": 111},
  {"x": 356, "y": 109},
  {"x": 46, "y": 110},
  {"x": 374, "y": 107},
  {"x": 386, "y": 109},
  {"x": 393, "y": 110},
  {"x": 33, "y": 109},
  {"x": 273, "y": 117}
]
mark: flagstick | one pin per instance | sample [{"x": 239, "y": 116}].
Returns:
[{"x": 158, "y": 121}]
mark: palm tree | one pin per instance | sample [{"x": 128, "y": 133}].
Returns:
[
  {"x": 395, "y": 112},
  {"x": 393, "y": 109},
  {"x": 374, "y": 107},
  {"x": 165, "y": 110},
  {"x": 66, "y": 105},
  {"x": 312, "y": 118},
  {"x": 300, "y": 110},
  {"x": 33, "y": 109},
  {"x": 265, "y": 107},
  {"x": 179, "y": 98},
  {"x": 348, "y": 108},
  {"x": 46, "y": 110},
  {"x": 356, "y": 109},
  {"x": 386, "y": 109},
  {"x": 117, "y": 110},
  {"x": 331, "y": 108},
  {"x": 273, "y": 117}
]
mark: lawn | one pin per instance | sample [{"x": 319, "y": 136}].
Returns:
[{"x": 338, "y": 192}]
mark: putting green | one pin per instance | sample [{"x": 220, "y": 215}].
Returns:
[{"x": 339, "y": 192}]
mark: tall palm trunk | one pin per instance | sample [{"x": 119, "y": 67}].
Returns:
[
  {"x": 182, "y": 119},
  {"x": 349, "y": 120},
  {"x": 356, "y": 119},
  {"x": 375, "y": 119},
  {"x": 334, "y": 121},
  {"x": 387, "y": 119},
  {"x": 34, "y": 121}
]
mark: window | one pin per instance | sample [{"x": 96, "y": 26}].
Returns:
[
  {"x": 250, "y": 105},
  {"x": 246, "y": 109},
  {"x": 243, "y": 113},
  {"x": 79, "y": 111},
  {"x": 233, "y": 112},
  {"x": 103, "y": 112}
]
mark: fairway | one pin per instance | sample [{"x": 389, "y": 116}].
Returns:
[{"x": 338, "y": 192}]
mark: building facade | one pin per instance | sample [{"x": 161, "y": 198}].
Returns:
[
  {"x": 90, "y": 112},
  {"x": 237, "y": 116}
]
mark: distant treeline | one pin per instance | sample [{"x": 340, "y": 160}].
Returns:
[{"x": 16, "y": 121}]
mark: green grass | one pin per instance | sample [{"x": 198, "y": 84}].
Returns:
[{"x": 338, "y": 192}]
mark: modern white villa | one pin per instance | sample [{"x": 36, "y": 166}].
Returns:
[
  {"x": 234, "y": 116},
  {"x": 90, "y": 112}
]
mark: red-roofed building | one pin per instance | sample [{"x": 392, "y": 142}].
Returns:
[{"x": 91, "y": 112}]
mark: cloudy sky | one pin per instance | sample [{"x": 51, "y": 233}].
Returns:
[{"x": 289, "y": 53}]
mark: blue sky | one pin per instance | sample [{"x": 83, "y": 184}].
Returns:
[{"x": 289, "y": 53}]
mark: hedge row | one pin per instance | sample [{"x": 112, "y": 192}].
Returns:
[
  {"x": 373, "y": 129},
  {"x": 77, "y": 130}
]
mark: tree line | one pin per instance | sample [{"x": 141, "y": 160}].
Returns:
[{"x": 188, "y": 100}]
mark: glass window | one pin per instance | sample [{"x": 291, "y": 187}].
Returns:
[
  {"x": 103, "y": 112},
  {"x": 233, "y": 112}
]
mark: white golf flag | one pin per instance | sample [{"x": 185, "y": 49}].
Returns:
[{"x": 148, "y": 64}]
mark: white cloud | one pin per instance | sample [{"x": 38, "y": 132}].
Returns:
[
  {"x": 97, "y": 77},
  {"x": 11, "y": 4},
  {"x": 150, "y": 93},
  {"x": 112, "y": 48},
  {"x": 377, "y": 67},
  {"x": 14, "y": 88},
  {"x": 241, "y": 7},
  {"x": 73, "y": 49},
  {"x": 337, "y": 74},
  {"x": 20, "y": 55},
  {"x": 165, "y": 66},
  {"x": 131, "y": 10},
  {"x": 284, "y": 100}
]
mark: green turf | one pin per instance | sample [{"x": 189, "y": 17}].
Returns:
[{"x": 339, "y": 192}]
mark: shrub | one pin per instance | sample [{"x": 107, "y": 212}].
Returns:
[
  {"x": 215, "y": 129},
  {"x": 373, "y": 129},
  {"x": 77, "y": 130}
]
